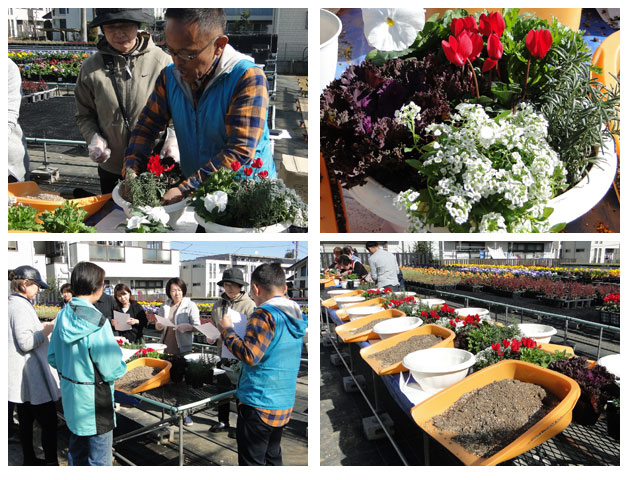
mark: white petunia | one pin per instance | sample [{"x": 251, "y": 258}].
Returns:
[
  {"x": 136, "y": 221},
  {"x": 156, "y": 214},
  {"x": 218, "y": 200},
  {"x": 392, "y": 29}
]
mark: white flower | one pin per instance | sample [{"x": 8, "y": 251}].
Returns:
[
  {"x": 136, "y": 221},
  {"x": 156, "y": 214},
  {"x": 408, "y": 114},
  {"x": 392, "y": 29},
  {"x": 218, "y": 199}
]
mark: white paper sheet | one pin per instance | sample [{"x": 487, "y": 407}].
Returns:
[
  {"x": 164, "y": 321},
  {"x": 121, "y": 321},
  {"x": 209, "y": 330},
  {"x": 240, "y": 322}
]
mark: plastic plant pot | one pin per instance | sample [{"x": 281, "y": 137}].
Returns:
[
  {"x": 347, "y": 332},
  {"x": 432, "y": 302},
  {"x": 464, "y": 312},
  {"x": 164, "y": 376},
  {"x": 356, "y": 313},
  {"x": 563, "y": 387},
  {"x": 394, "y": 326},
  {"x": 434, "y": 369},
  {"x": 535, "y": 331},
  {"x": 430, "y": 329}
]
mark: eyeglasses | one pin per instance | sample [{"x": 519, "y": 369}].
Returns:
[{"x": 188, "y": 58}]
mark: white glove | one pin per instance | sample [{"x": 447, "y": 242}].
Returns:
[
  {"x": 97, "y": 149},
  {"x": 170, "y": 148}
]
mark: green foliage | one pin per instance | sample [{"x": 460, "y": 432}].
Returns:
[
  {"x": 22, "y": 217},
  {"x": 67, "y": 218},
  {"x": 144, "y": 189},
  {"x": 478, "y": 339},
  {"x": 540, "y": 357}
]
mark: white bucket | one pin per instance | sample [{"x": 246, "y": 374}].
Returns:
[
  {"x": 329, "y": 30},
  {"x": 394, "y": 326}
]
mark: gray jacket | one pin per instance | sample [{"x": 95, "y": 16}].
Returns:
[
  {"x": 18, "y": 157},
  {"x": 97, "y": 105},
  {"x": 30, "y": 377},
  {"x": 186, "y": 313},
  {"x": 383, "y": 268}
]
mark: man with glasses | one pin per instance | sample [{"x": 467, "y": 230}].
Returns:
[
  {"x": 216, "y": 97},
  {"x": 113, "y": 86}
]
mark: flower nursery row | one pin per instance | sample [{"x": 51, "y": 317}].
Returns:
[
  {"x": 472, "y": 123},
  {"x": 30, "y": 56}
]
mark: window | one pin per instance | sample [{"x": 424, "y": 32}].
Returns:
[
  {"x": 197, "y": 284},
  {"x": 303, "y": 271},
  {"x": 13, "y": 246},
  {"x": 150, "y": 255},
  {"x": 106, "y": 253},
  {"x": 579, "y": 250},
  {"x": 149, "y": 283},
  {"x": 528, "y": 247},
  {"x": 154, "y": 245},
  {"x": 62, "y": 11}
]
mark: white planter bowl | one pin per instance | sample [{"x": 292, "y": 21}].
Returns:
[
  {"x": 360, "y": 312},
  {"x": 336, "y": 292},
  {"x": 211, "y": 227},
  {"x": 432, "y": 302},
  {"x": 612, "y": 363},
  {"x": 174, "y": 210},
  {"x": 329, "y": 30},
  {"x": 344, "y": 302},
  {"x": 437, "y": 368},
  {"x": 405, "y": 294},
  {"x": 464, "y": 312},
  {"x": 567, "y": 207},
  {"x": 197, "y": 357},
  {"x": 393, "y": 326},
  {"x": 127, "y": 353},
  {"x": 535, "y": 331},
  {"x": 158, "y": 347}
]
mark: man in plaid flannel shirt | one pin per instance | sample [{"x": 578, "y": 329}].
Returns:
[{"x": 270, "y": 354}]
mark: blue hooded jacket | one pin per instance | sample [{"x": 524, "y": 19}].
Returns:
[
  {"x": 270, "y": 384},
  {"x": 88, "y": 359}
]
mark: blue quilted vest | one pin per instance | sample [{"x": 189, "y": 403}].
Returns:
[
  {"x": 271, "y": 383},
  {"x": 201, "y": 132}
]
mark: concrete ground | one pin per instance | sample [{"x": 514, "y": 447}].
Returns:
[
  {"x": 54, "y": 119},
  {"x": 147, "y": 450}
]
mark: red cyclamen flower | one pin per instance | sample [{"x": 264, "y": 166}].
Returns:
[
  {"x": 492, "y": 23},
  {"x": 538, "y": 43},
  {"x": 495, "y": 52},
  {"x": 263, "y": 174},
  {"x": 257, "y": 163},
  {"x": 236, "y": 165},
  {"x": 155, "y": 166},
  {"x": 248, "y": 171},
  {"x": 458, "y": 25}
]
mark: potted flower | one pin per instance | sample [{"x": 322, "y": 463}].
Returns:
[
  {"x": 596, "y": 383},
  {"x": 140, "y": 197},
  {"x": 257, "y": 204},
  {"x": 610, "y": 311},
  {"x": 428, "y": 136}
]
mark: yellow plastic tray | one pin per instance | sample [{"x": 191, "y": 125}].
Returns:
[
  {"x": 164, "y": 376},
  {"x": 90, "y": 204},
  {"x": 550, "y": 347},
  {"x": 565, "y": 388},
  {"x": 342, "y": 313},
  {"x": 430, "y": 329},
  {"x": 345, "y": 331},
  {"x": 330, "y": 302}
]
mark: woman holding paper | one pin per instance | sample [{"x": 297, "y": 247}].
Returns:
[
  {"x": 181, "y": 312},
  {"x": 137, "y": 316},
  {"x": 236, "y": 298}
]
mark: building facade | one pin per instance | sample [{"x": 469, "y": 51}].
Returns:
[
  {"x": 203, "y": 274},
  {"x": 26, "y": 22}
]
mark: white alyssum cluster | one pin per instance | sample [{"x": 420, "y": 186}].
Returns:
[
  {"x": 501, "y": 164},
  {"x": 407, "y": 115}
]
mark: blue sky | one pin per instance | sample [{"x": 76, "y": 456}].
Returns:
[{"x": 190, "y": 250}]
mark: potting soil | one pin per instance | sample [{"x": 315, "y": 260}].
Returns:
[
  {"x": 396, "y": 353},
  {"x": 50, "y": 197},
  {"x": 489, "y": 418},
  {"x": 366, "y": 327},
  {"x": 136, "y": 377}
]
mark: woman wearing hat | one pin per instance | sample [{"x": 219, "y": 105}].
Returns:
[
  {"x": 113, "y": 86},
  {"x": 33, "y": 386},
  {"x": 236, "y": 298}
]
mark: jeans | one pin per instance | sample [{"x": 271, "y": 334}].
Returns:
[
  {"x": 90, "y": 450},
  {"x": 258, "y": 443}
]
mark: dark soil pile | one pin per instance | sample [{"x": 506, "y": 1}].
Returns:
[
  {"x": 397, "y": 352},
  {"x": 489, "y": 418},
  {"x": 136, "y": 377}
]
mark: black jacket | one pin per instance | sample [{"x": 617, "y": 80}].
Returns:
[{"x": 135, "y": 311}]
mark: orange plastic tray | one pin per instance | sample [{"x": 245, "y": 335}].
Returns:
[
  {"x": 330, "y": 302},
  {"x": 550, "y": 347},
  {"x": 164, "y": 376},
  {"x": 430, "y": 329},
  {"x": 90, "y": 204},
  {"x": 342, "y": 313},
  {"x": 327, "y": 282},
  {"x": 565, "y": 388},
  {"x": 345, "y": 331}
]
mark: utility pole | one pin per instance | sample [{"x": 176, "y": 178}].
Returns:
[
  {"x": 84, "y": 35},
  {"x": 296, "y": 251}
]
